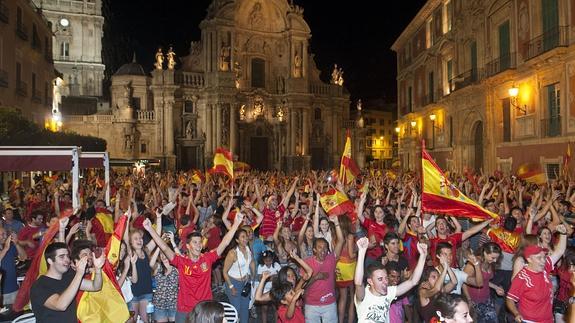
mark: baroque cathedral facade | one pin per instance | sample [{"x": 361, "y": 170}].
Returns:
[{"x": 249, "y": 84}]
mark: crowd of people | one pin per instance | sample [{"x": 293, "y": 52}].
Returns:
[{"x": 266, "y": 245}]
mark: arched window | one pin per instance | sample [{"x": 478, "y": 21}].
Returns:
[
  {"x": 258, "y": 73},
  {"x": 317, "y": 114}
]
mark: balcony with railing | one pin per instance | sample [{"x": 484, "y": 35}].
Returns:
[
  {"x": 553, "y": 38},
  {"x": 4, "y": 12},
  {"x": 500, "y": 64},
  {"x": 22, "y": 31},
  {"x": 3, "y": 78},
  {"x": 551, "y": 127},
  {"x": 21, "y": 88},
  {"x": 190, "y": 79},
  {"x": 73, "y": 6},
  {"x": 464, "y": 79},
  {"x": 145, "y": 115}
]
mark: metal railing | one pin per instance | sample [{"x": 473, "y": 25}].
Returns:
[
  {"x": 21, "y": 88},
  {"x": 500, "y": 64},
  {"x": 553, "y": 38},
  {"x": 22, "y": 31},
  {"x": 145, "y": 115},
  {"x": 3, "y": 78},
  {"x": 4, "y": 12},
  {"x": 551, "y": 127},
  {"x": 464, "y": 79},
  {"x": 74, "y": 6}
]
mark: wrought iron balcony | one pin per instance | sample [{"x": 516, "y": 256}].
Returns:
[
  {"x": 551, "y": 127},
  {"x": 500, "y": 64},
  {"x": 22, "y": 32},
  {"x": 21, "y": 88},
  {"x": 3, "y": 78},
  {"x": 464, "y": 79},
  {"x": 552, "y": 38},
  {"x": 4, "y": 12}
]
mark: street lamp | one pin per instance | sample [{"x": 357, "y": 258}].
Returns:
[
  {"x": 432, "y": 117},
  {"x": 513, "y": 93}
]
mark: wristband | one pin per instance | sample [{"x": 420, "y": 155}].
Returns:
[{"x": 231, "y": 286}]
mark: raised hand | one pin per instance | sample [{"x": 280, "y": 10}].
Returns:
[
  {"x": 362, "y": 243},
  {"x": 561, "y": 229},
  {"x": 265, "y": 275},
  {"x": 239, "y": 218},
  {"x": 147, "y": 225},
  {"x": 422, "y": 248},
  {"x": 99, "y": 262},
  {"x": 64, "y": 222},
  {"x": 81, "y": 266}
]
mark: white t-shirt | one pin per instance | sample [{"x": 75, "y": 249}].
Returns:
[
  {"x": 375, "y": 309},
  {"x": 274, "y": 269},
  {"x": 461, "y": 278}
]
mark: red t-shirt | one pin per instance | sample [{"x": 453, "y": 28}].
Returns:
[
  {"x": 270, "y": 221},
  {"x": 455, "y": 241},
  {"x": 195, "y": 280},
  {"x": 297, "y": 223},
  {"x": 321, "y": 292},
  {"x": 296, "y": 318},
  {"x": 534, "y": 293},
  {"x": 215, "y": 238},
  {"x": 410, "y": 249},
  {"x": 378, "y": 231},
  {"x": 27, "y": 233}
]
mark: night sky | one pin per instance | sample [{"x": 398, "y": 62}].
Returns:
[{"x": 355, "y": 35}]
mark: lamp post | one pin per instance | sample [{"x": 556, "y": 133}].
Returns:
[
  {"x": 432, "y": 118},
  {"x": 513, "y": 93}
]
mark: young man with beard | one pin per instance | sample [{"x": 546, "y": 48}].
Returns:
[
  {"x": 53, "y": 295},
  {"x": 374, "y": 300},
  {"x": 195, "y": 270}
]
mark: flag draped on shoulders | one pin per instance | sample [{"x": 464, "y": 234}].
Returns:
[
  {"x": 348, "y": 169},
  {"x": 335, "y": 202},
  {"x": 223, "y": 162},
  {"x": 106, "y": 305},
  {"x": 441, "y": 196},
  {"x": 38, "y": 266}
]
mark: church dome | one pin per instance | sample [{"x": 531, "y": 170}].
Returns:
[{"x": 132, "y": 68}]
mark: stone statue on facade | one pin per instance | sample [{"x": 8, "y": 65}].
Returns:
[
  {"x": 297, "y": 66},
  {"x": 238, "y": 73},
  {"x": 57, "y": 94},
  {"x": 225, "y": 58},
  {"x": 159, "y": 59},
  {"x": 256, "y": 17},
  {"x": 171, "y": 58},
  {"x": 189, "y": 129},
  {"x": 359, "y": 105},
  {"x": 337, "y": 75}
]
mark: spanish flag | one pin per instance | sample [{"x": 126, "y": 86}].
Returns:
[
  {"x": 348, "y": 169},
  {"x": 106, "y": 305},
  {"x": 532, "y": 173},
  {"x": 113, "y": 245},
  {"x": 106, "y": 219},
  {"x": 566, "y": 160},
  {"x": 335, "y": 202},
  {"x": 508, "y": 241},
  {"x": 441, "y": 196},
  {"x": 197, "y": 177},
  {"x": 223, "y": 162},
  {"x": 38, "y": 266}
]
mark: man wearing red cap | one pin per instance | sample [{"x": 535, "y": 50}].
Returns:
[{"x": 532, "y": 287}]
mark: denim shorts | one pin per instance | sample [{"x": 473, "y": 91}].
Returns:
[
  {"x": 161, "y": 314},
  {"x": 145, "y": 297}
]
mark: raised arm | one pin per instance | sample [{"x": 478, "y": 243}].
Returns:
[
  {"x": 361, "y": 205},
  {"x": 362, "y": 245},
  {"x": 60, "y": 302},
  {"x": 158, "y": 240},
  {"x": 339, "y": 234},
  {"x": 95, "y": 284},
  {"x": 316, "y": 217},
  {"x": 561, "y": 245},
  {"x": 230, "y": 235},
  {"x": 414, "y": 279},
  {"x": 474, "y": 229},
  {"x": 286, "y": 198}
]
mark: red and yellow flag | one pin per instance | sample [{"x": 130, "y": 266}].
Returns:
[
  {"x": 197, "y": 177},
  {"x": 348, "y": 169},
  {"x": 532, "y": 173},
  {"x": 223, "y": 162},
  {"x": 106, "y": 219},
  {"x": 38, "y": 266},
  {"x": 113, "y": 245},
  {"x": 508, "y": 241},
  {"x": 106, "y": 305},
  {"x": 335, "y": 202},
  {"x": 441, "y": 196},
  {"x": 566, "y": 160}
]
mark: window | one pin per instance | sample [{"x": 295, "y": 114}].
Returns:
[
  {"x": 64, "y": 49},
  {"x": 429, "y": 33},
  {"x": 552, "y": 124},
  {"x": 33, "y": 83},
  {"x": 381, "y": 122},
  {"x": 258, "y": 73},
  {"x": 473, "y": 59},
  {"x": 19, "y": 21},
  {"x": 18, "y": 72},
  {"x": 143, "y": 148},
  {"x": 552, "y": 170},
  {"x": 188, "y": 106},
  {"x": 136, "y": 103},
  {"x": 504, "y": 46},
  {"x": 431, "y": 88},
  {"x": 35, "y": 38},
  {"x": 317, "y": 114},
  {"x": 447, "y": 19}
]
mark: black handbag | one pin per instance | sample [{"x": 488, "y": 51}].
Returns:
[{"x": 247, "y": 290}]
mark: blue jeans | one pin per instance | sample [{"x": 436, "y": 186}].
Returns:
[
  {"x": 241, "y": 303},
  {"x": 182, "y": 317},
  {"x": 321, "y": 313}
]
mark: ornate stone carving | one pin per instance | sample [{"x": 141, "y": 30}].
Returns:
[
  {"x": 337, "y": 75},
  {"x": 297, "y": 65},
  {"x": 225, "y": 58},
  {"x": 171, "y": 58},
  {"x": 225, "y": 126},
  {"x": 256, "y": 17}
]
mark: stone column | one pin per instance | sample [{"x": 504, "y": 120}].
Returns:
[
  {"x": 305, "y": 132},
  {"x": 169, "y": 127},
  {"x": 218, "y": 124},
  {"x": 208, "y": 129},
  {"x": 233, "y": 129},
  {"x": 213, "y": 128},
  {"x": 293, "y": 125}
]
